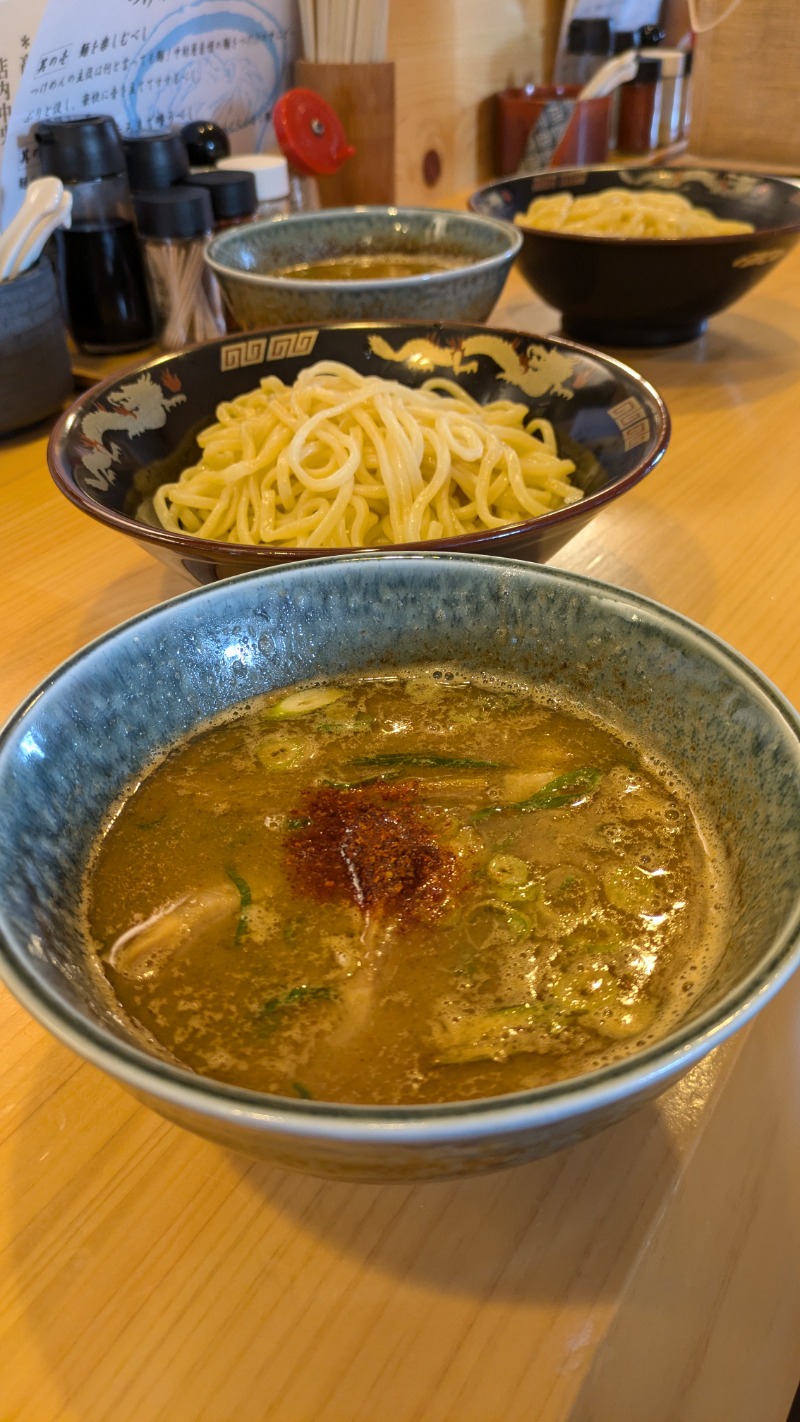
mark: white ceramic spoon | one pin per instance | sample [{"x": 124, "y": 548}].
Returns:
[
  {"x": 41, "y": 199},
  {"x": 32, "y": 247}
]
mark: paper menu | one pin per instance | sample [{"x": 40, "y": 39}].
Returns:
[{"x": 150, "y": 64}]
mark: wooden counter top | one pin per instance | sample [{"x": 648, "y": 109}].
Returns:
[{"x": 651, "y": 1274}]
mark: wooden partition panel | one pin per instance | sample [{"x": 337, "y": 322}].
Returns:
[{"x": 450, "y": 57}]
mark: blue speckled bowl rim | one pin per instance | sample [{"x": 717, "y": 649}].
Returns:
[
  {"x": 212, "y": 550},
  {"x": 511, "y": 234},
  {"x": 582, "y": 239},
  {"x": 450, "y": 1121}
]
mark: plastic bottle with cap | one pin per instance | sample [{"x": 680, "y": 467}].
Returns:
[
  {"x": 312, "y": 140},
  {"x": 232, "y": 193},
  {"x": 101, "y": 266},
  {"x": 175, "y": 225},
  {"x": 270, "y": 173}
]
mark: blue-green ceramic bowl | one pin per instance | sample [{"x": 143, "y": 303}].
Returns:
[
  {"x": 99, "y": 719},
  {"x": 247, "y": 260}
]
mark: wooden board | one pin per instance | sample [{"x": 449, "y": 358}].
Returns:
[{"x": 450, "y": 57}]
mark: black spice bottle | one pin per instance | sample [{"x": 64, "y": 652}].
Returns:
[
  {"x": 232, "y": 193},
  {"x": 100, "y": 260}
]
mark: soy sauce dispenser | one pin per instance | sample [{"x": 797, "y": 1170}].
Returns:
[{"x": 101, "y": 267}]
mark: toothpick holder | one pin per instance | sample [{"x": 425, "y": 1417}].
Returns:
[{"x": 362, "y": 96}]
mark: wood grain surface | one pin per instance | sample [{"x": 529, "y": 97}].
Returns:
[{"x": 649, "y": 1275}]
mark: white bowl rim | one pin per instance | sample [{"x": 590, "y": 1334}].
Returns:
[
  {"x": 423, "y": 1125},
  {"x": 273, "y": 281}
]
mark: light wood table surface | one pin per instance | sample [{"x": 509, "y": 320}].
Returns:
[{"x": 651, "y": 1274}]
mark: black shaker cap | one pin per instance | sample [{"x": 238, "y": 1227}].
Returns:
[
  {"x": 155, "y": 160},
  {"x": 179, "y": 212},
  {"x": 627, "y": 39},
  {"x": 80, "y": 149},
  {"x": 648, "y": 71},
  {"x": 589, "y": 37},
  {"x": 232, "y": 192}
]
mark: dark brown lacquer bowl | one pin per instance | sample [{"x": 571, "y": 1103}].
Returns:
[
  {"x": 646, "y": 291},
  {"x": 126, "y": 436}
]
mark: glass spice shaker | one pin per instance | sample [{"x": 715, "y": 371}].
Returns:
[
  {"x": 686, "y": 102},
  {"x": 623, "y": 40},
  {"x": 587, "y": 49},
  {"x": 640, "y": 108},
  {"x": 175, "y": 225},
  {"x": 155, "y": 160},
  {"x": 100, "y": 261},
  {"x": 673, "y": 72},
  {"x": 271, "y": 176},
  {"x": 232, "y": 194}
]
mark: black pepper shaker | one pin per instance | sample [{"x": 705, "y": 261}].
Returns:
[
  {"x": 101, "y": 266},
  {"x": 232, "y": 193},
  {"x": 155, "y": 161}
]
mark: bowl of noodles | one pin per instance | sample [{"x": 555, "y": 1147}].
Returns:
[
  {"x": 644, "y": 256},
  {"x": 277, "y": 446}
]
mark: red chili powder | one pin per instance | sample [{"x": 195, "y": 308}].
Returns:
[{"x": 371, "y": 845}]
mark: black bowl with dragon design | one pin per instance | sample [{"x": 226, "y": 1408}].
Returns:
[{"x": 127, "y": 435}]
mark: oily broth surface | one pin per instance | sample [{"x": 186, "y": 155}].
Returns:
[
  {"x": 375, "y": 266},
  {"x": 585, "y": 911}
]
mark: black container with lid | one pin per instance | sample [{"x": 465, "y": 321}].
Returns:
[
  {"x": 587, "y": 49},
  {"x": 205, "y": 143},
  {"x": 101, "y": 267},
  {"x": 180, "y": 212},
  {"x": 155, "y": 160},
  {"x": 232, "y": 192}
]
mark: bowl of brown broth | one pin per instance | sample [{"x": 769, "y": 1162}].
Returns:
[
  {"x": 357, "y": 263},
  {"x": 367, "y": 865}
]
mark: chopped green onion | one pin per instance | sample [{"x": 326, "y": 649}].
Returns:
[
  {"x": 508, "y": 870},
  {"x": 571, "y": 788},
  {"x": 293, "y": 997},
  {"x": 427, "y": 761},
  {"x": 284, "y": 752},
  {"x": 300, "y": 703},
  {"x": 245, "y": 900}
]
